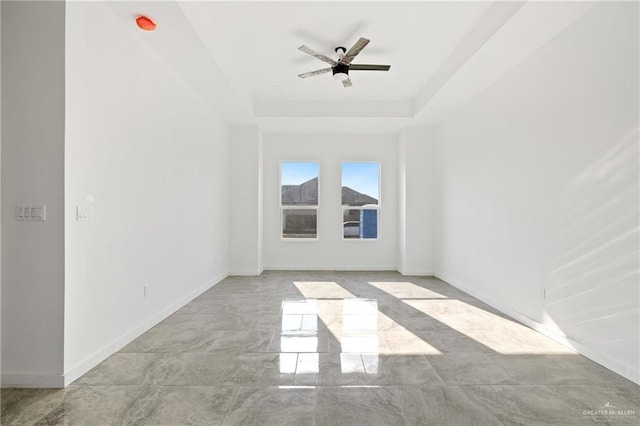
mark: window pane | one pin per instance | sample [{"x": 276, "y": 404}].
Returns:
[
  {"x": 299, "y": 184},
  {"x": 360, "y": 184},
  {"x": 299, "y": 223},
  {"x": 360, "y": 223}
]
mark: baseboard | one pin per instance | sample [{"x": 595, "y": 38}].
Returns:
[
  {"x": 31, "y": 380},
  {"x": 245, "y": 272},
  {"x": 415, "y": 272},
  {"x": 329, "y": 268},
  {"x": 106, "y": 351},
  {"x": 626, "y": 371}
]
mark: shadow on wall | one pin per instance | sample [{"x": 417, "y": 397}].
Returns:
[{"x": 593, "y": 294}]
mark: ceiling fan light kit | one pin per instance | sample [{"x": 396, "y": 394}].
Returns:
[
  {"x": 340, "y": 68},
  {"x": 341, "y": 72}
]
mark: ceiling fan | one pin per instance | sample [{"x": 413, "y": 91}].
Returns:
[{"x": 343, "y": 65}]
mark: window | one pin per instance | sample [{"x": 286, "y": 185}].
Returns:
[
  {"x": 360, "y": 200},
  {"x": 299, "y": 199}
]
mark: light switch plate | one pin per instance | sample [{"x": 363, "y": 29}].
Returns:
[
  {"x": 31, "y": 212},
  {"x": 85, "y": 213}
]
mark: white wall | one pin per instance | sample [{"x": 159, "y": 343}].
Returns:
[
  {"x": 33, "y": 64},
  {"x": 245, "y": 201},
  {"x": 151, "y": 158},
  {"x": 330, "y": 251},
  {"x": 538, "y": 188},
  {"x": 415, "y": 203}
]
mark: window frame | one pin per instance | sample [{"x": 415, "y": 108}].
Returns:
[
  {"x": 378, "y": 207},
  {"x": 297, "y": 207}
]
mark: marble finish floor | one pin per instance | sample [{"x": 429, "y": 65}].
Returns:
[{"x": 331, "y": 348}]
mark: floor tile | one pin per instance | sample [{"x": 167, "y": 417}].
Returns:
[
  {"x": 288, "y": 322},
  {"x": 332, "y": 369},
  {"x": 444, "y": 405},
  {"x": 404, "y": 342},
  {"x": 211, "y": 369},
  {"x": 448, "y": 340},
  {"x": 326, "y": 347},
  {"x": 134, "y": 369},
  {"x": 212, "y": 321},
  {"x": 242, "y": 341},
  {"x": 190, "y": 405},
  {"x": 566, "y": 369},
  {"x": 273, "y": 406},
  {"x": 119, "y": 405},
  {"x": 359, "y": 405},
  {"x": 614, "y": 404},
  {"x": 104, "y": 405},
  {"x": 27, "y": 406},
  {"x": 302, "y": 341},
  {"x": 400, "y": 370},
  {"x": 471, "y": 369},
  {"x": 167, "y": 339},
  {"x": 540, "y": 404}
]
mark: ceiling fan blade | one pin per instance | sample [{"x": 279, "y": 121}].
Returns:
[
  {"x": 315, "y": 54},
  {"x": 347, "y": 83},
  {"x": 355, "y": 49},
  {"x": 366, "y": 67},
  {"x": 312, "y": 73}
]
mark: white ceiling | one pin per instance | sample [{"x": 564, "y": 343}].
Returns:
[
  {"x": 243, "y": 57},
  {"x": 414, "y": 38}
]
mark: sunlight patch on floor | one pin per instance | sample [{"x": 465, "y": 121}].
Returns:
[
  {"x": 322, "y": 290},
  {"x": 406, "y": 290},
  {"x": 500, "y": 334},
  {"x": 353, "y": 321}
]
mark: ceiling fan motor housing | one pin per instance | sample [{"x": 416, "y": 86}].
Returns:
[{"x": 340, "y": 71}]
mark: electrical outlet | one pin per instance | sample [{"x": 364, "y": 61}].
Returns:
[
  {"x": 146, "y": 291},
  {"x": 543, "y": 293}
]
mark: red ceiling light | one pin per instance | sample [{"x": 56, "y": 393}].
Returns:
[{"x": 145, "y": 23}]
